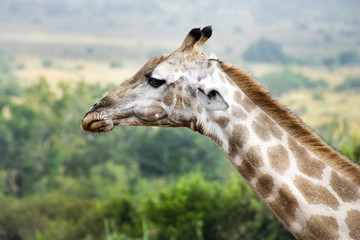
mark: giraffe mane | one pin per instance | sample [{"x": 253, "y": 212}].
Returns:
[{"x": 294, "y": 126}]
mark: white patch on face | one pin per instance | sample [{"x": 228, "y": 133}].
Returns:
[{"x": 165, "y": 71}]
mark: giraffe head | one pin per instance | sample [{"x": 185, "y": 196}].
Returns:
[{"x": 168, "y": 91}]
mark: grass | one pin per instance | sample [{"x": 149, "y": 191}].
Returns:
[
  {"x": 333, "y": 106},
  {"x": 72, "y": 70}
]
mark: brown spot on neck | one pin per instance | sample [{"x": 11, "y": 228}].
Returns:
[
  {"x": 305, "y": 162},
  {"x": 246, "y": 170},
  {"x": 291, "y": 124},
  {"x": 264, "y": 185},
  {"x": 353, "y": 222},
  {"x": 320, "y": 227},
  {"x": 222, "y": 122},
  {"x": 254, "y": 156},
  {"x": 346, "y": 190},
  {"x": 244, "y": 101},
  {"x": 264, "y": 127},
  {"x": 237, "y": 112},
  {"x": 315, "y": 194},
  {"x": 285, "y": 205},
  {"x": 238, "y": 138},
  {"x": 238, "y": 97},
  {"x": 270, "y": 125},
  {"x": 279, "y": 158},
  {"x": 260, "y": 131}
]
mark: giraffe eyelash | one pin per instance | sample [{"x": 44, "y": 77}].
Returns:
[{"x": 154, "y": 82}]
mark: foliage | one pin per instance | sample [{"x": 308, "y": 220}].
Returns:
[
  {"x": 287, "y": 80},
  {"x": 173, "y": 151},
  {"x": 351, "y": 83},
  {"x": 264, "y": 50},
  {"x": 346, "y": 58},
  {"x": 47, "y": 63},
  {"x": 335, "y": 132},
  {"x": 330, "y": 62},
  {"x": 6, "y": 63},
  {"x": 352, "y": 150},
  {"x": 8, "y": 83},
  {"x": 197, "y": 209},
  {"x": 349, "y": 58},
  {"x": 59, "y": 216},
  {"x": 192, "y": 208},
  {"x": 116, "y": 64}
]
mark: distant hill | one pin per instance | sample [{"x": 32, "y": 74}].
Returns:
[{"x": 303, "y": 28}]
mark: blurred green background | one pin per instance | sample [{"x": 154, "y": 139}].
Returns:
[{"x": 57, "y": 58}]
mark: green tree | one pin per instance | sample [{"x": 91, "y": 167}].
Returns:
[
  {"x": 287, "y": 80},
  {"x": 9, "y": 85},
  {"x": 352, "y": 149},
  {"x": 330, "y": 62},
  {"x": 197, "y": 209},
  {"x": 349, "y": 58},
  {"x": 264, "y": 50},
  {"x": 21, "y": 157},
  {"x": 351, "y": 83},
  {"x": 161, "y": 152}
]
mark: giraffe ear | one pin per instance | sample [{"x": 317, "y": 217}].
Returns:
[{"x": 212, "y": 100}]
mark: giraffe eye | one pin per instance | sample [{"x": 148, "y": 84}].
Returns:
[{"x": 155, "y": 82}]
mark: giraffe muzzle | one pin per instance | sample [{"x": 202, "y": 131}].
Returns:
[{"x": 90, "y": 123}]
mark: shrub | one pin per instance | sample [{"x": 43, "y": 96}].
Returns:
[
  {"x": 264, "y": 50},
  {"x": 318, "y": 96},
  {"x": 352, "y": 150},
  {"x": 349, "y": 58},
  {"x": 116, "y": 64},
  {"x": 60, "y": 217},
  {"x": 47, "y": 63},
  {"x": 196, "y": 209},
  {"x": 286, "y": 81},
  {"x": 330, "y": 62},
  {"x": 351, "y": 83}
]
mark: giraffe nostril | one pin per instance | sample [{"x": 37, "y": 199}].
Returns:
[{"x": 105, "y": 102}]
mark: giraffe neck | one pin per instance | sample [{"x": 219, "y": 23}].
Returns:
[{"x": 312, "y": 198}]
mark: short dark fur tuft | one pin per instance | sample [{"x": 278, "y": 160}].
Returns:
[
  {"x": 206, "y": 31},
  {"x": 195, "y": 33}
]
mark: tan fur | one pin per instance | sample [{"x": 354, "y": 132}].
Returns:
[
  {"x": 352, "y": 220},
  {"x": 292, "y": 125}
]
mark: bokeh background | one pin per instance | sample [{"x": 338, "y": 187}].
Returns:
[{"x": 58, "y": 57}]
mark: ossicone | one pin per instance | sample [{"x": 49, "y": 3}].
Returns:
[
  {"x": 195, "y": 33},
  {"x": 206, "y": 32},
  {"x": 197, "y": 36}
]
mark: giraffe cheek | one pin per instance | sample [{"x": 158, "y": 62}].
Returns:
[{"x": 151, "y": 113}]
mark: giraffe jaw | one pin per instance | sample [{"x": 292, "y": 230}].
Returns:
[{"x": 94, "y": 122}]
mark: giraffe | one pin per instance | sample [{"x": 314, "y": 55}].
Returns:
[{"x": 312, "y": 189}]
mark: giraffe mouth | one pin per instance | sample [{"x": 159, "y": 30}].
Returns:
[
  {"x": 91, "y": 124},
  {"x": 99, "y": 123}
]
